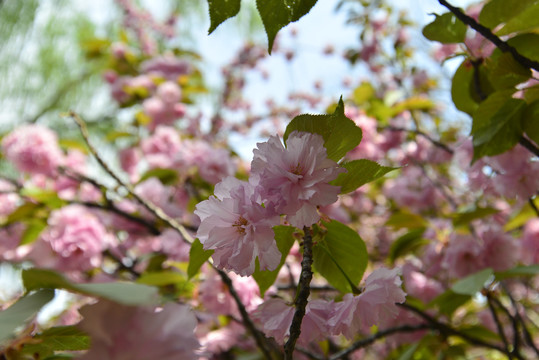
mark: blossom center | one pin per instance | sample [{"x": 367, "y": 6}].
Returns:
[
  {"x": 240, "y": 225},
  {"x": 297, "y": 170}
]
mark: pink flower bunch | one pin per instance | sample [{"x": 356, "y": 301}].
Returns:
[
  {"x": 164, "y": 107},
  {"x": 77, "y": 237},
  {"x": 33, "y": 149},
  {"x": 465, "y": 255},
  {"x": 238, "y": 227},
  {"x": 120, "y": 332},
  {"x": 413, "y": 190},
  {"x": 213, "y": 164},
  {"x": 376, "y": 305},
  {"x": 161, "y": 147},
  {"x": 296, "y": 179},
  {"x": 168, "y": 67}
]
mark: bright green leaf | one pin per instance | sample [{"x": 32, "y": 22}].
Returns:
[
  {"x": 33, "y": 229},
  {"x": 465, "y": 217},
  {"x": 161, "y": 278},
  {"x": 446, "y": 29},
  {"x": 527, "y": 20},
  {"x": 197, "y": 257},
  {"x": 472, "y": 283},
  {"x": 462, "y": 89},
  {"x": 497, "y": 124},
  {"x": 21, "y": 312},
  {"x": 47, "y": 197},
  {"x": 340, "y": 133},
  {"x": 409, "y": 352},
  {"x": 530, "y": 270},
  {"x": 285, "y": 240},
  {"x": 363, "y": 93},
  {"x": 406, "y": 220},
  {"x": 341, "y": 256},
  {"x": 407, "y": 243},
  {"x": 496, "y": 12},
  {"x": 449, "y": 301},
  {"x": 276, "y": 14},
  {"x": 59, "y": 338},
  {"x": 505, "y": 72},
  {"x": 359, "y": 172},
  {"x": 531, "y": 121},
  {"x": 121, "y": 292},
  {"x": 527, "y": 45},
  {"x": 221, "y": 10},
  {"x": 166, "y": 176}
]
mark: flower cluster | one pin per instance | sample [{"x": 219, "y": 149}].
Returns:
[
  {"x": 353, "y": 315},
  {"x": 237, "y": 222}
]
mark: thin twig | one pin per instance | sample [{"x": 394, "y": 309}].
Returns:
[
  {"x": 158, "y": 212},
  {"x": 420, "y": 133},
  {"x": 302, "y": 294},
  {"x": 379, "y": 335},
  {"x": 447, "y": 330},
  {"x": 527, "y": 336},
  {"x": 502, "y": 45},
  {"x": 259, "y": 337},
  {"x": 499, "y": 326}
]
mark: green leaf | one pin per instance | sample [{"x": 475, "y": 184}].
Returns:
[
  {"x": 465, "y": 217},
  {"x": 21, "y": 312},
  {"x": 531, "y": 121},
  {"x": 276, "y": 14},
  {"x": 285, "y": 239},
  {"x": 496, "y": 12},
  {"x": 505, "y": 72},
  {"x": 221, "y": 10},
  {"x": 408, "y": 354},
  {"x": 530, "y": 270},
  {"x": 363, "y": 93},
  {"x": 47, "y": 197},
  {"x": 166, "y": 176},
  {"x": 161, "y": 278},
  {"x": 449, "y": 301},
  {"x": 120, "y": 292},
  {"x": 479, "y": 332},
  {"x": 340, "y": 133},
  {"x": 197, "y": 257},
  {"x": 406, "y": 220},
  {"x": 33, "y": 229},
  {"x": 462, "y": 90},
  {"x": 526, "y": 20},
  {"x": 497, "y": 124},
  {"x": 527, "y": 45},
  {"x": 341, "y": 256},
  {"x": 59, "y": 338},
  {"x": 472, "y": 283},
  {"x": 359, "y": 172},
  {"x": 407, "y": 243},
  {"x": 446, "y": 29}
]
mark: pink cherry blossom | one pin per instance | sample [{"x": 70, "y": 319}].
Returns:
[
  {"x": 169, "y": 92},
  {"x": 463, "y": 256},
  {"x": 296, "y": 178},
  {"x": 213, "y": 164},
  {"x": 168, "y": 66},
  {"x": 161, "y": 147},
  {"x": 420, "y": 286},
  {"x": 500, "y": 250},
  {"x": 33, "y": 149},
  {"x": 376, "y": 304},
  {"x": 120, "y": 332},
  {"x": 238, "y": 228},
  {"x": 275, "y": 317},
  {"x": 77, "y": 237}
]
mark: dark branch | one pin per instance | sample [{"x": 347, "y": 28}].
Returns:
[
  {"x": 379, "y": 335},
  {"x": 302, "y": 294},
  {"x": 502, "y": 45}
]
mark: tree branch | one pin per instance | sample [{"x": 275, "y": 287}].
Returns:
[
  {"x": 483, "y": 30},
  {"x": 379, "y": 335},
  {"x": 158, "y": 212},
  {"x": 447, "y": 330},
  {"x": 499, "y": 326},
  {"x": 302, "y": 294},
  {"x": 420, "y": 133}
]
